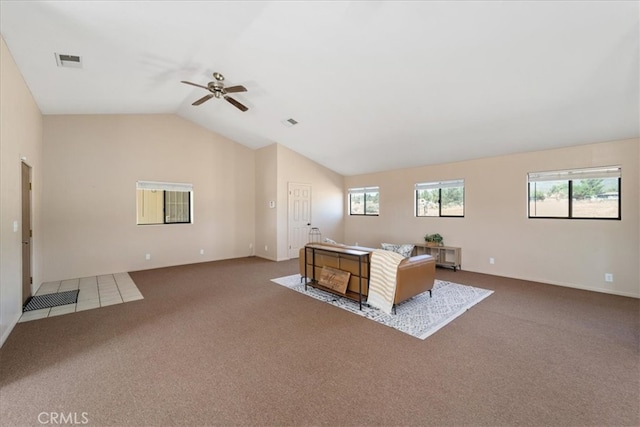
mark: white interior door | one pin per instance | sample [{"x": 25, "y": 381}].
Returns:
[{"x": 299, "y": 217}]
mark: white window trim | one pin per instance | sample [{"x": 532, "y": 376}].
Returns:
[
  {"x": 364, "y": 190},
  {"x": 439, "y": 184},
  {"x": 166, "y": 186},
  {"x": 572, "y": 174}
]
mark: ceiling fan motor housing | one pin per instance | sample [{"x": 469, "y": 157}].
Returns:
[{"x": 216, "y": 88}]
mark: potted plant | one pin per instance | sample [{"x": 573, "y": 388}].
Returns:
[{"x": 433, "y": 239}]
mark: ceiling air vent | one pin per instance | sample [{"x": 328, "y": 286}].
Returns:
[
  {"x": 69, "y": 61},
  {"x": 289, "y": 122}
]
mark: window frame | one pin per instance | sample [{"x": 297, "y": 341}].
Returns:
[
  {"x": 165, "y": 203},
  {"x": 438, "y": 185},
  {"x": 166, "y": 187},
  {"x": 363, "y": 191},
  {"x": 570, "y": 175}
]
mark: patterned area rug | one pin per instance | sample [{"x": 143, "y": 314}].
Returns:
[
  {"x": 51, "y": 300},
  {"x": 420, "y": 316}
]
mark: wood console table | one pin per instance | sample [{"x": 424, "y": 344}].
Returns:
[
  {"x": 339, "y": 252},
  {"x": 445, "y": 256}
]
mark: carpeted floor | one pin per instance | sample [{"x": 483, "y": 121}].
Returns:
[
  {"x": 219, "y": 344},
  {"x": 420, "y": 316}
]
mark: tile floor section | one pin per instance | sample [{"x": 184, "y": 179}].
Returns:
[{"x": 94, "y": 292}]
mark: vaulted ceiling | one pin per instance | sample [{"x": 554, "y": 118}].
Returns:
[{"x": 373, "y": 85}]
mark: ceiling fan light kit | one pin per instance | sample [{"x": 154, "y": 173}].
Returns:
[{"x": 218, "y": 90}]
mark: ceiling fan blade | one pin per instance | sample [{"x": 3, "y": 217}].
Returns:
[
  {"x": 193, "y": 84},
  {"x": 236, "y": 103},
  {"x": 203, "y": 99},
  {"x": 235, "y": 89}
]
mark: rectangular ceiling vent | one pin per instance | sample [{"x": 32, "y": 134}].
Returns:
[
  {"x": 289, "y": 122},
  {"x": 69, "y": 61}
]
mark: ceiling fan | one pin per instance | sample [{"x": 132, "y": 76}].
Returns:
[{"x": 218, "y": 90}]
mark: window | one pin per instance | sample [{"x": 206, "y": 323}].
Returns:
[
  {"x": 441, "y": 198},
  {"x": 163, "y": 202},
  {"x": 578, "y": 194},
  {"x": 364, "y": 201}
]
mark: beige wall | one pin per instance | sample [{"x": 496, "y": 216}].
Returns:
[
  {"x": 20, "y": 136},
  {"x": 575, "y": 253},
  {"x": 89, "y": 196},
  {"x": 266, "y": 189},
  {"x": 327, "y": 201},
  {"x": 276, "y": 167}
]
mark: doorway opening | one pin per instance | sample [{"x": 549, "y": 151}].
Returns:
[{"x": 27, "y": 235}]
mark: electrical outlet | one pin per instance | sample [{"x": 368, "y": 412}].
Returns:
[
  {"x": 201, "y": 251},
  {"x": 250, "y": 245},
  {"x": 492, "y": 260},
  {"x": 148, "y": 256},
  {"x": 608, "y": 277},
  {"x": 266, "y": 248}
]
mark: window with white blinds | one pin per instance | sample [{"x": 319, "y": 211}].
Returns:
[
  {"x": 364, "y": 201},
  {"x": 164, "y": 202},
  {"x": 440, "y": 198},
  {"x": 590, "y": 193}
]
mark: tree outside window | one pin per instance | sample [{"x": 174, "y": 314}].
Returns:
[
  {"x": 592, "y": 193},
  {"x": 440, "y": 198},
  {"x": 364, "y": 201}
]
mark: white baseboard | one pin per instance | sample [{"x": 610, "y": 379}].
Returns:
[
  {"x": 566, "y": 285},
  {"x": 266, "y": 257},
  {"x": 601, "y": 290}
]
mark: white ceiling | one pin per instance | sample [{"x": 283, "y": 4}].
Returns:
[{"x": 375, "y": 85}]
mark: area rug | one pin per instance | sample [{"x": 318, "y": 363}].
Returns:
[
  {"x": 51, "y": 300},
  {"x": 420, "y": 316}
]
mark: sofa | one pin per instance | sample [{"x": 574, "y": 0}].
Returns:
[{"x": 415, "y": 274}]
